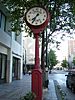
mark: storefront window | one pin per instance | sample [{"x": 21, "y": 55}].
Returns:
[{"x": 15, "y": 68}]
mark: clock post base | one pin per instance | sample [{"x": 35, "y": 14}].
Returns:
[{"x": 37, "y": 83}]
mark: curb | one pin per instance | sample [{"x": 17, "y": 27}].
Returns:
[{"x": 61, "y": 95}]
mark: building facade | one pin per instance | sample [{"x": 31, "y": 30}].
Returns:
[
  {"x": 10, "y": 50},
  {"x": 29, "y": 48},
  {"x": 71, "y": 52}
]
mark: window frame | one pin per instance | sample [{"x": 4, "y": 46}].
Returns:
[
  {"x": 0, "y": 18},
  {"x": 4, "y": 21}
]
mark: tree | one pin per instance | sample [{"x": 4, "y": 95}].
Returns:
[
  {"x": 74, "y": 61},
  {"x": 64, "y": 63},
  {"x": 52, "y": 60},
  {"x": 62, "y": 16},
  {"x": 17, "y": 10}
]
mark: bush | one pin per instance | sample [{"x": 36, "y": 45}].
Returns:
[{"x": 29, "y": 96}]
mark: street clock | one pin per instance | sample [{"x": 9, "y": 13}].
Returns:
[{"x": 36, "y": 16}]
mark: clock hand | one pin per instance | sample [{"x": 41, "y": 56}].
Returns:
[{"x": 33, "y": 19}]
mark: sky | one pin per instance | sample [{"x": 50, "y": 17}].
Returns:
[
  {"x": 63, "y": 52},
  {"x": 63, "y": 46}
]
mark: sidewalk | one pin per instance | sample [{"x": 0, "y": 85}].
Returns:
[
  {"x": 18, "y": 88},
  {"x": 50, "y": 94}
]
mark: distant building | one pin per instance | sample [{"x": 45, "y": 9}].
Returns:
[
  {"x": 71, "y": 52},
  {"x": 29, "y": 45},
  {"x": 10, "y": 50}
]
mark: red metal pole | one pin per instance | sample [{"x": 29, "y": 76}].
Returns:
[
  {"x": 37, "y": 73},
  {"x": 37, "y": 63}
]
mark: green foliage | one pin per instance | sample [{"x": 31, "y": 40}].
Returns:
[
  {"x": 74, "y": 60},
  {"x": 52, "y": 60},
  {"x": 17, "y": 9},
  {"x": 29, "y": 96},
  {"x": 64, "y": 63},
  {"x": 62, "y": 16},
  {"x": 62, "y": 13}
]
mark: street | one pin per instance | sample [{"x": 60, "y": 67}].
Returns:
[{"x": 59, "y": 75}]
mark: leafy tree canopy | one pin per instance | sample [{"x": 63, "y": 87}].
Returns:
[
  {"x": 74, "y": 60},
  {"x": 62, "y": 16},
  {"x": 17, "y": 9},
  {"x": 62, "y": 20},
  {"x": 64, "y": 63},
  {"x": 52, "y": 59}
]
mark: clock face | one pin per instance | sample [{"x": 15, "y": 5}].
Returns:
[{"x": 36, "y": 16}]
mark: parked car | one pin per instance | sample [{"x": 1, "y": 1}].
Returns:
[{"x": 70, "y": 80}]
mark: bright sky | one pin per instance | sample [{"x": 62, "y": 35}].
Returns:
[{"x": 63, "y": 52}]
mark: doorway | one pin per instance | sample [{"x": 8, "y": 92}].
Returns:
[
  {"x": 15, "y": 68},
  {"x": 3, "y": 67}
]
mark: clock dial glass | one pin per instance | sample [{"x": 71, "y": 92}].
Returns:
[{"x": 36, "y": 16}]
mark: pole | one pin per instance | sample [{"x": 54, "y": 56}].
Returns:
[
  {"x": 37, "y": 64},
  {"x": 46, "y": 49},
  {"x": 36, "y": 72}
]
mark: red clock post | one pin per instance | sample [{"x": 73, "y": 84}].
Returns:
[{"x": 37, "y": 19}]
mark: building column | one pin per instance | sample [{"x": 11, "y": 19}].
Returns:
[
  {"x": 9, "y": 67},
  {"x": 21, "y": 59}
]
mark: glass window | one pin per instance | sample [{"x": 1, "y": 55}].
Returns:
[{"x": 2, "y": 21}]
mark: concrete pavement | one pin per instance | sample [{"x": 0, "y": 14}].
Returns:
[
  {"x": 19, "y": 88},
  {"x": 50, "y": 93},
  {"x": 16, "y": 89}
]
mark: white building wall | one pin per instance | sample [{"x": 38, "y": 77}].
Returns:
[
  {"x": 16, "y": 48},
  {"x": 3, "y": 49},
  {"x": 17, "y": 45},
  {"x": 11, "y": 48},
  {"x": 5, "y": 39}
]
